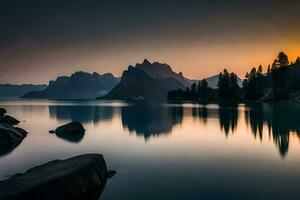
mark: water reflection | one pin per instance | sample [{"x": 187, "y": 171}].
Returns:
[
  {"x": 228, "y": 117},
  {"x": 84, "y": 114},
  {"x": 254, "y": 118},
  {"x": 200, "y": 113},
  {"x": 148, "y": 120},
  {"x": 75, "y": 138},
  {"x": 281, "y": 119},
  {"x": 151, "y": 120}
]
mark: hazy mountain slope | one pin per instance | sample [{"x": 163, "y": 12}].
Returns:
[
  {"x": 80, "y": 85},
  {"x": 16, "y": 91}
]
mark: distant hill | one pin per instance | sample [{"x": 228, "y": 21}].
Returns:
[
  {"x": 213, "y": 81},
  {"x": 80, "y": 85},
  {"x": 148, "y": 81},
  {"x": 9, "y": 91}
]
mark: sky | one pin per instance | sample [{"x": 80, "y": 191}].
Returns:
[{"x": 40, "y": 40}]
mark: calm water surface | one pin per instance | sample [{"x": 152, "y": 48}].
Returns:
[{"x": 169, "y": 151}]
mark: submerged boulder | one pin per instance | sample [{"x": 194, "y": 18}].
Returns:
[
  {"x": 71, "y": 137},
  {"x": 70, "y": 128},
  {"x": 11, "y": 135},
  {"x": 77, "y": 178}
]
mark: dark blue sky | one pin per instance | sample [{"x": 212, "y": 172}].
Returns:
[{"x": 42, "y": 39}]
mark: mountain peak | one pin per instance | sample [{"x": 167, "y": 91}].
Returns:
[
  {"x": 146, "y": 62},
  {"x": 148, "y": 80}
]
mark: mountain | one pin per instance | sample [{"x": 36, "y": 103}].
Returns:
[
  {"x": 213, "y": 81},
  {"x": 148, "y": 81},
  {"x": 80, "y": 85},
  {"x": 9, "y": 91}
]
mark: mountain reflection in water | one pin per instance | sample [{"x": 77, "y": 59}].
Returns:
[
  {"x": 154, "y": 120},
  {"x": 151, "y": 120}
]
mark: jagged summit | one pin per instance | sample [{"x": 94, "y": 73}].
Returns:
[
  {"x": 146, "y": 62},
  {"x": 148, "y": 80}
]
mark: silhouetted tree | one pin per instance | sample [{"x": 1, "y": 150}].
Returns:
[
  {"x": 203, "y": 89},
  {"x": 254, "y": 84},
  {"x": 228, "y": 85},
  {"x": 187, "y": 93},
  {"x": 269, "y": 70},
  {"x": 260, "y": 69},
  {"x": 199, "y": 89},
  {"x": 204, "y": 85},
  {"x": 176, "y": 94},
  {"x": 297, "y": 60},
  {"x": 280, "y": 75},
  {"x": 281, "y": 79},
  {"x": 283, "y": 59},
  {"x": 194, "y": 91}
]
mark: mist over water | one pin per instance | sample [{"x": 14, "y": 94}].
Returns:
[{"x": 168, "y": 150}]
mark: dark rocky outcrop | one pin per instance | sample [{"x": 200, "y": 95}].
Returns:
[
  {"x": 10, "y": 136},
  {"x": 6, "y": 119},
  {"x": 2, "y": 112},
  {"x": 77, "y": 178},
  {"x": 9, "y": 120},
  {"x": 80, "y": 85},
  {"x": 72, "y": 132},
  {"x": 70, "y": 128},
  {"x": 148, "y": 81},
  {"x": 74, "y": 138}
]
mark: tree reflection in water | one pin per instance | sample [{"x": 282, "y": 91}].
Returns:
[
  {"x": 155, "y": 119},
  {"x": 228, "y": 117},
  {"x": 281, "y": 119}
]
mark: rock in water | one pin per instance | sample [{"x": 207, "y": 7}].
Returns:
[
  {"x": 2, "y": 112},
  {"x": 70, "y": 128},
  {"x": 9, "y": 120},
  {"x": 71, "y": 137},
  {"x": 77, "y": 178},
  {"x": 11, "y": 135}
]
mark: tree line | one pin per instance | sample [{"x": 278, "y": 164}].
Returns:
[{"x": 280, "y": 81}]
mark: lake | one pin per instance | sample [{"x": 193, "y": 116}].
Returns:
[{"x": 169, "y": 151}]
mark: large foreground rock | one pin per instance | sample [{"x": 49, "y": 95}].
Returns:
[
  {"x": 11, "y": 135},
  {"x": 70, "y": 128},
  {"x": 78, "y": 178}
]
